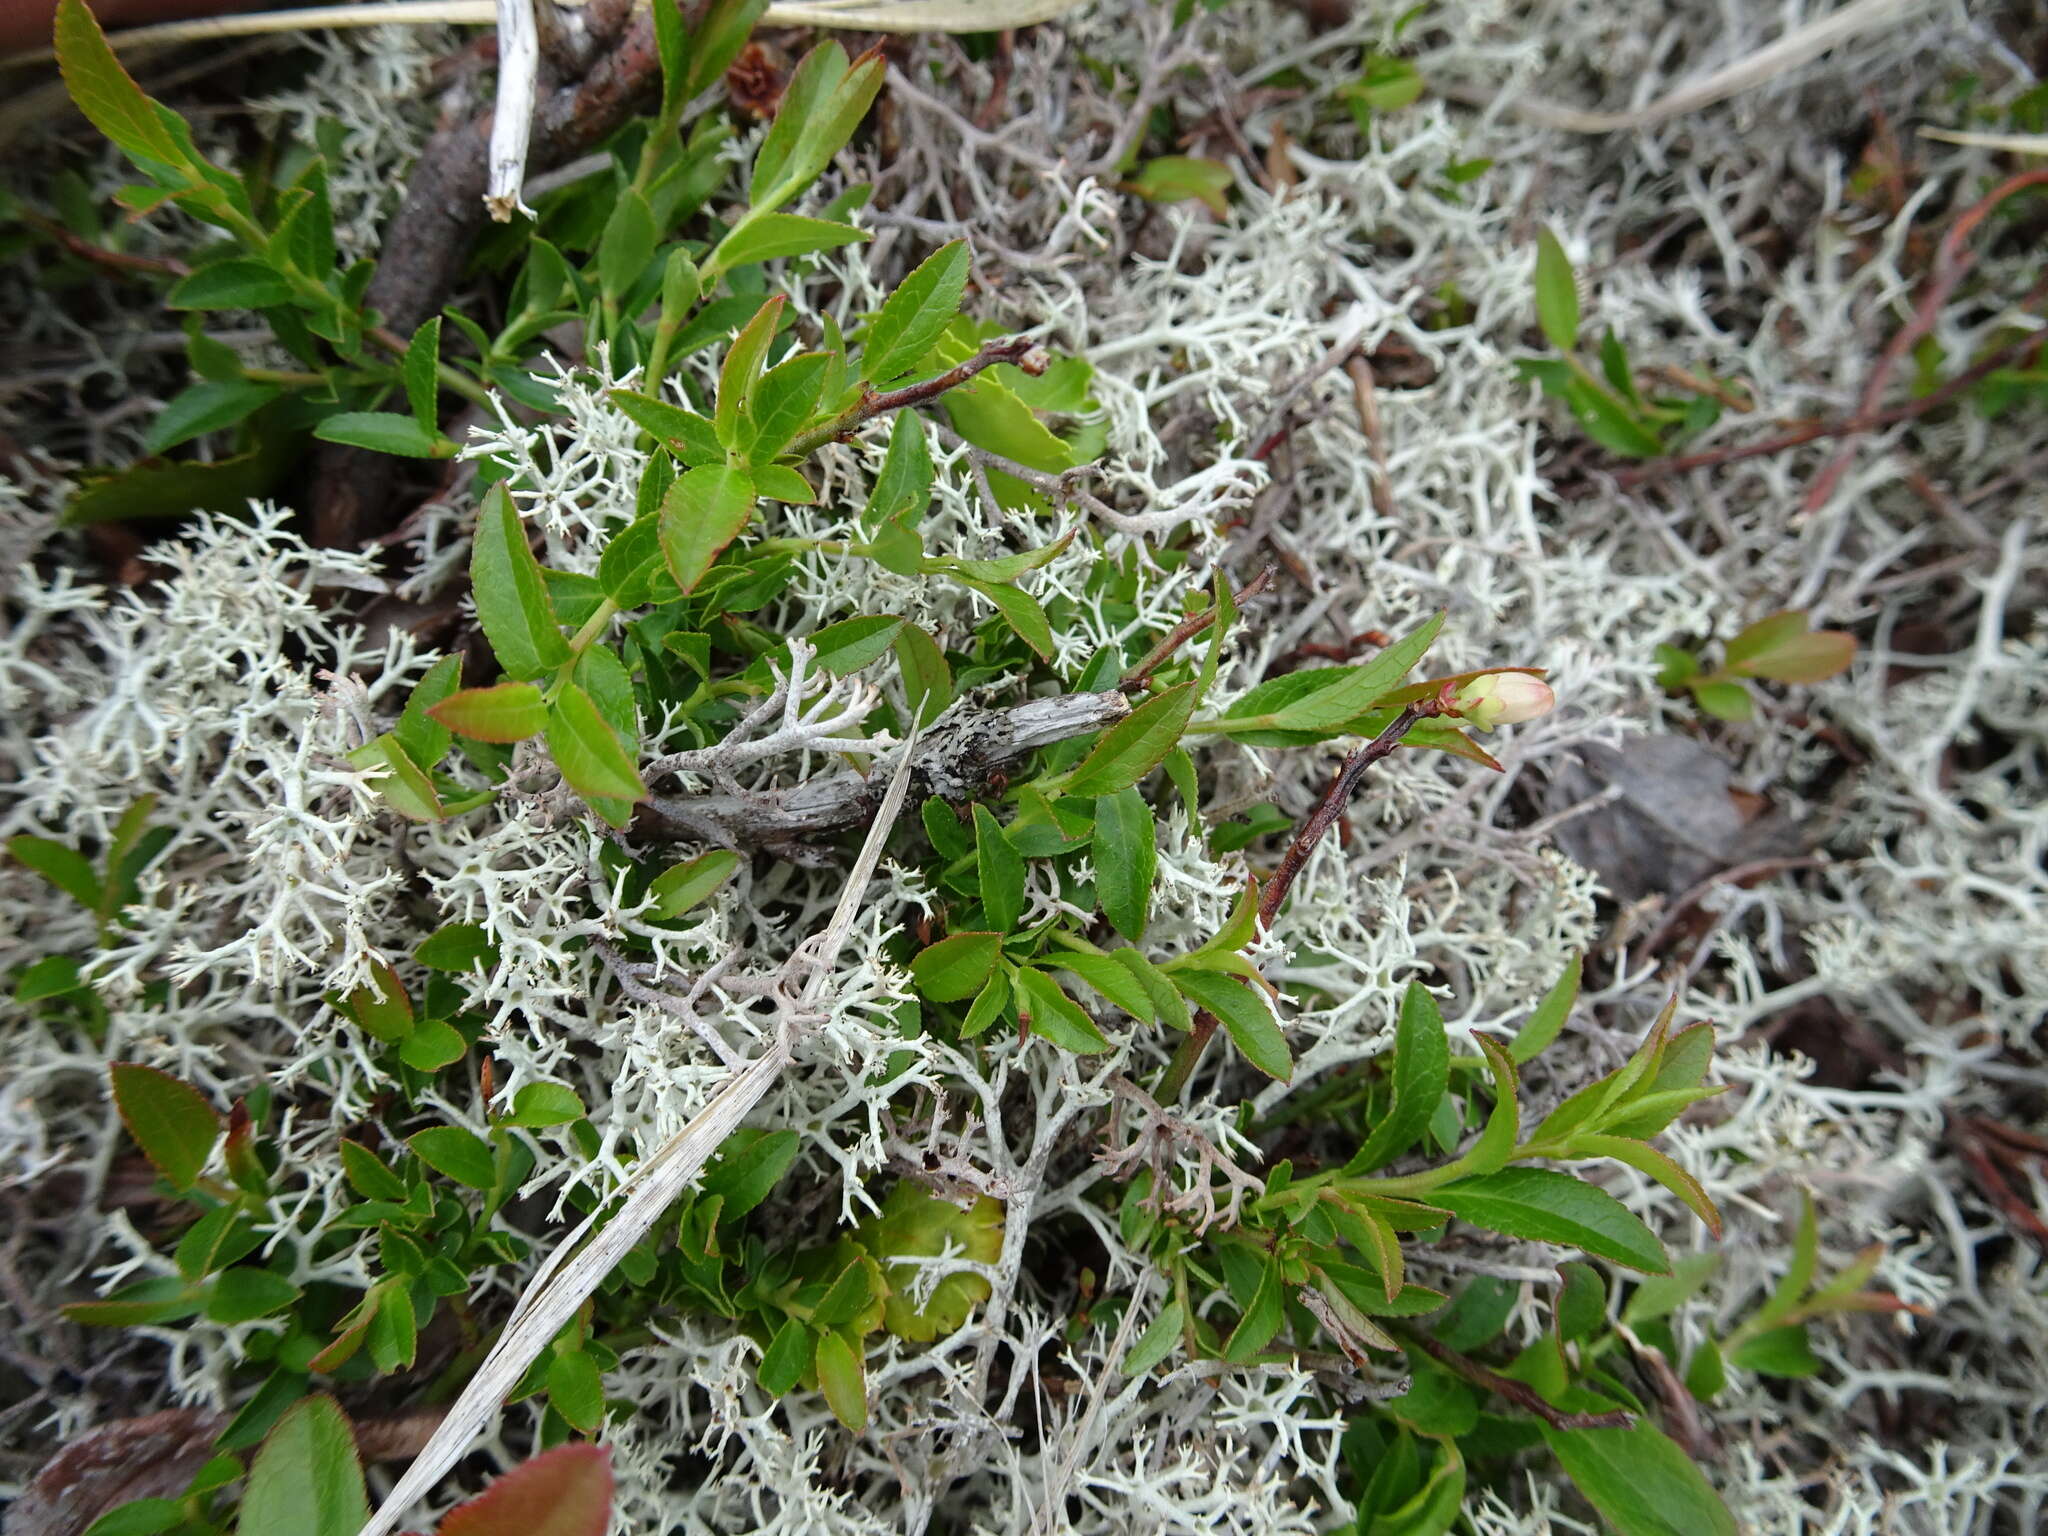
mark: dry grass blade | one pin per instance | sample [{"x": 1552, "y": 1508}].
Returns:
[
  {"x": 577, "y": 1267},
  {"x": 865, "y": 16},
  {"x": 1799, "y": 46}
]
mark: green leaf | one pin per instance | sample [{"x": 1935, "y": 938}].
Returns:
[
  {"x": 626, "y": 246},
  {"x": 306, "y": 1480},
  {"x": 1245, "y": 1015},
  {"x": 1496, "y": 1142},
  {"x": 511, "y": 599},
  {"x": 769, "y": 235},
  {"x": 184, "y": 486},
  {"x": 903, "y": 489},
  {"x": 844, "y": 1384},
  {"x": 849, "y": 1295},
  {"x": 777, "y": 408},
  {"x": 1782, "y": 1351},
  {"x": 1557, "y": 292},
  {"x": 368, "y": 1175},
  {"x": 393, "y": 1335},
  {"x": 1645, "y": 1158},
  {"x": 1387, "y": 85},
  {"x": 786, "y": 1359},
  {"x": 1023, "y": 612},
  {"x": 1422, "y": 1063},
  {"x": 912, "y": 318},
  {"x": 987, "y": 1007},
  {"x": 595, "y": 761},
  {"x": 702, "y": 513},
  {"x": 238, "y": 282},
  {"x": 822, "y": 104},
  {"x": 576, "y": 1389},
  {"x": 1809, "y": 658},
  {"x": 1608, "y": 419},
  {"x": 744, "y": 363},
  {"x": 851, "y": 644},
  {"x": 51, "y": 976},
  {"x": 1107, "y": 975},
  {"x": 505, "y": 712},
  {"x": 1262, "y": 1318},
  {"x": 682, "y": 886},
  {"x": 111, "y": 101},
  {"x": 539, "y": 1105},
  {"x": 1551, "y": 1207},
  {"x": 384, "y": 432},
  {"x": 459, "y": 1154},
  {"x": 1661, "y": 1295},
  {"x": 989, "y": 414},
  {"x": 1581, "y": 1305},
  {"x": 64, "y": 867},
  {"x": 243, "y": 1295},
  {"x": 1330, "y": 700},
  {"x": 422, "y": 738},
  {"x": 1766, "y": 635},
  {"x": 431, "y": 1046},
  {"x": 1675, "y": 667},
  {"x": 422, "y": 387},
  {"x": 160, "y": 1299},
  {"x": 1545, "y": 1023},
  {"x": 749, "y": 1166},
  {"x": 139, "y": 1517},
  {"x": 778, "y": 482},
  {"x": 690, "y": 437},
  {"x": 927, "y": 678},
  {"x": 1640, "y": 1481},
  {"x": 1724, "y": 701},
  {"x": 206, "y": 407},
  {"x": 1185, "y": 178},
  {"x": 1157, "y": 1341},
  {"x": 1134, "y": 746},
  {"x": 956, "y": 966},
  {"x": 1048, "y": 1012},
  {"x": 175, "y": 1127},
  {"x": 1166, "y": 1001},
  {"x": 456, "y": 947},
  {"x": 1126, "y": 858},
  {"x": 1000, "y": 870}
]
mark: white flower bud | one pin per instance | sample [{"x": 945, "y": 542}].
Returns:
[{"x": 1503, "y": 698}]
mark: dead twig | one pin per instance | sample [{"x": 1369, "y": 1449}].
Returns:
[{"x": 1375, "y": 435}]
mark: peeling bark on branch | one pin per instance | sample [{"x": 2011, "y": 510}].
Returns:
[{"x": 957, "y": 759}]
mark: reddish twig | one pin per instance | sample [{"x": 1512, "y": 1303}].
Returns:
[
  {"x": 1316, "y": 650},
  {"x": 1186, "y": 630},
  {"x": 1952, "y": 263},
  {"x": 1310, "y": 833},
  {"x": 1975, "y": 1141},
  {"x": 1520, "y": 1393},
  {"x": 99, "y": 255},
  {"x": 1812, "y": 432},
  {"x": 1020, "y": 350}
]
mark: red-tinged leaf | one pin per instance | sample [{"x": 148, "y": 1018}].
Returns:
[
  {"x": 506, "y": 712},
  {"x": 1766, "y": 635},
  {"x": 702, "y": 513},
  {"x": 563, "y": 1492},
  {"x": 175, "y": 1127},
  {"x": 1810, "y": 658}
]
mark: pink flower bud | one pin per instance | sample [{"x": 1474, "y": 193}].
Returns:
[{"x": 1503, "y": 698}]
